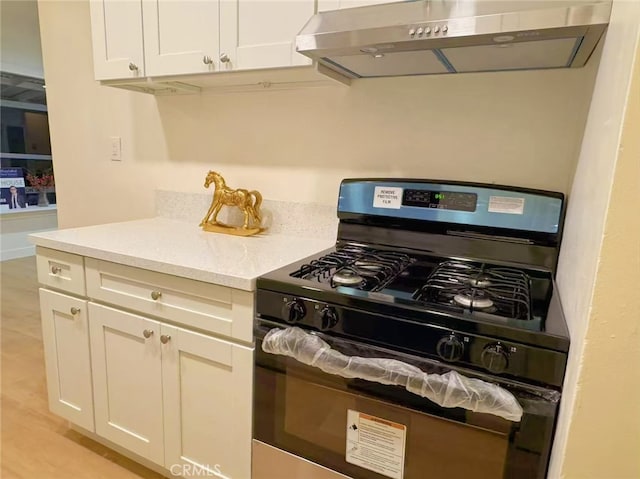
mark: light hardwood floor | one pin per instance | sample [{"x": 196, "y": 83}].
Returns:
[{"x": 35, "y": 443}]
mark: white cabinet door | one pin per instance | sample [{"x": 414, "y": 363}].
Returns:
[
  {"x": 180, "y": 36},
  {"x": 261, "y": 33},
  {"x": 116, "y": 30},
  {"x": 207, "y": 403},
  {"x": 65, "y": 334},
  {"x": 127, "y": 380},
  {"x": 324, "y": 5}
]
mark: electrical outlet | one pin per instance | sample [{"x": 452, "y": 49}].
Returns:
[{"x": 116, "y": 149}]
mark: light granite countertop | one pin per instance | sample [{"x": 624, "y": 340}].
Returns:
[{"x": 183, "y": 249}]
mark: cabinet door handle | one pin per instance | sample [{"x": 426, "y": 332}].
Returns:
[
  {"x": 224, "y": 58},
  {"x": 147, "y": 333},
  {"x": 165, "y": 338},
  {"x": 155, "y": 295},
  {"x": 207, "y": 60},
  {"x": 133, "y": 67},
  {"x": 74, "y": 311},
  {"x": 56, "y": 269}
]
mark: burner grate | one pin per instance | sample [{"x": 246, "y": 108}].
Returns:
[
  {"x": 356, "y": 267},
  {"x": 479, "y": 287}
]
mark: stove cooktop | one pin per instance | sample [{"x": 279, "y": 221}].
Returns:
[
  {"x": 488, "y": 292},
  {"x": 463, "y": 311},
  {"x": 454, "y": 271}
]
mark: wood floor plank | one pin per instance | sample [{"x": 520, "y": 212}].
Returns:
[{"x": 35, "y": 443}]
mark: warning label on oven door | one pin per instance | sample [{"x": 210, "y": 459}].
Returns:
[{"x": 376, "y": 444}]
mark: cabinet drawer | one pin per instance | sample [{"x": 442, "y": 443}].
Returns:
[
  {"x": 209, "y": 307},
  {"x": 59, "y": 270}
]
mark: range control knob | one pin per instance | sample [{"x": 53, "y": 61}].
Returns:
[
  {"x": 494, "y": 358},
  {"x": 293, "y": 311},
  {"x": 326, "y": 318},
  {"x": 450, "y": 348}
]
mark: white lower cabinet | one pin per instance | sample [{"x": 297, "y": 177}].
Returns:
[
  {"x": 65, "y": 334},
  {"x": 178, "y": 398},
  {"x": 207, "y": 404},
  {"x": 127, "y": 380},
  {"x": 172, "y": 396}
]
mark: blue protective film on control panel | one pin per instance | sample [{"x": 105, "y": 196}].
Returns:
[{"x": 451, "y": 203}]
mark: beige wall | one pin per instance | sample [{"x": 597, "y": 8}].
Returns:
[
  {"x": 605, "y": 424},
  {"x": 599, "y": 414},
  {"x": 521, "y": 128},
  {"x": 20, "y": 38}
]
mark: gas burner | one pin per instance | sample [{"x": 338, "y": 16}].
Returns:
[
  {"x": 478, "y": 287},
  {"x": 353, "y": 266},
  {"x": 368, "y": 265},
  {"x": 481, "y": 281},
  {"x": 347, "y": 277},
  {"x": 470, "y": 302}
]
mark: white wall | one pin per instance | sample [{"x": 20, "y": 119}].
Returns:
[
  {"x": 521, "y": 128},
  {"x": 610, "y": 413},
  {"x": 20, "y": 38},
  {"x": 16, "y": 227}
]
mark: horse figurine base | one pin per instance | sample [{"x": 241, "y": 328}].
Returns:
[
  {"x": 219, "y": 227},
  {"x": 248, "y": 202}
]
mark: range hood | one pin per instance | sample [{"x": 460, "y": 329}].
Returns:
[{"x": 454, "y": 36}]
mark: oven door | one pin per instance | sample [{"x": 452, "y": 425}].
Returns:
[{"x": 365, "y": 429}]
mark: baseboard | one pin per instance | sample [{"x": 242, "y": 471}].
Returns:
[{"x": 16, "y": 253}]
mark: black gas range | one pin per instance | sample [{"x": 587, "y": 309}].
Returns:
[
  {"x": 448, "y": 277},
  {"x": 479, "y": 294}
]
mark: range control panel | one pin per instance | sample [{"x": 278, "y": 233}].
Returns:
[
  {"x": 468, "y": 204},
  {"x": 444, "y": 200},
  {"x": 498, "y": 357}
]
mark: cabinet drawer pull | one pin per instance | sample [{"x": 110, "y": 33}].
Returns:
[
  {"x": 207, "y": 60},
  {"x": 155, "y": 295},
  {"x": 75, "y": 311},
  {"x": 147, "y": 333},
  {"x": 165, "y": 338},
  {"x": 133, "y": 67},
  {"x": 56, "y": 269},
  {"x": 224, "y": 58}
]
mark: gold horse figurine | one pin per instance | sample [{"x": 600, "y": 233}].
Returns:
[{"x": 248, "y": 201}]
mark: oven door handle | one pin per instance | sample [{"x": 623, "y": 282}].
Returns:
[{"x": 447, "y": 390}]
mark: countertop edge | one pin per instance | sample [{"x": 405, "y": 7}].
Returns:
[{"x": 245, "y": 284}]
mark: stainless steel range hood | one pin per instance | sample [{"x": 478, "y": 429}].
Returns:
[{"x": 454, "y": 36}]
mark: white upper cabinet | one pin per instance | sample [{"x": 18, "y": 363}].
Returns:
[
  {"x": 324, "y": 5},
  {"x": 261, "y": 33},
  {"x": 180, "y": 37},
  {"x": 116, "y": 27},
  {"x": 154, "y": 38}
]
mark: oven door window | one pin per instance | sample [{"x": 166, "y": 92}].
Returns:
[{"x": 303, "y": 410}]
